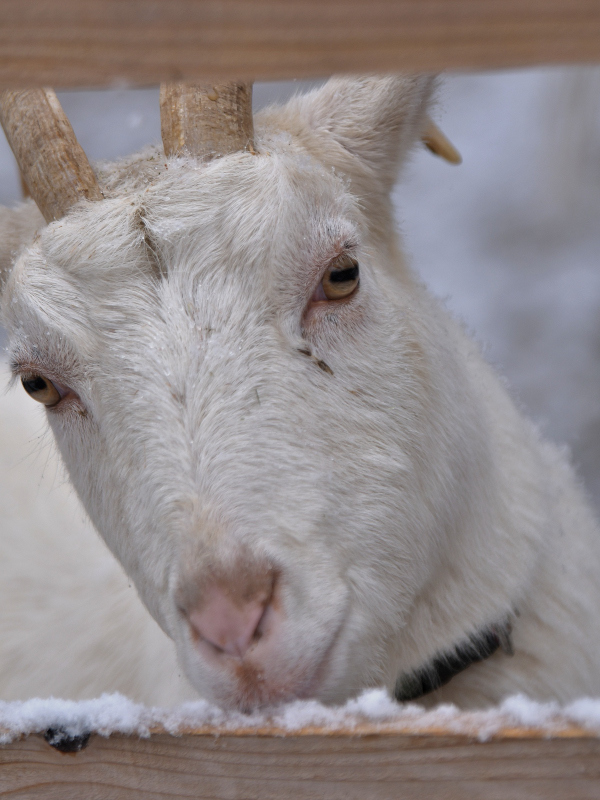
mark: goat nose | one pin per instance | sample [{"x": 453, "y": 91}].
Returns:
[{"x": 228, "y": 622}]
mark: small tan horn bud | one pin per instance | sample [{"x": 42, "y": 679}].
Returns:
[
  {"x": 52, "y": 162},
  {"x": 206, "y": 121},
  {"x": 436, "y": 141}
]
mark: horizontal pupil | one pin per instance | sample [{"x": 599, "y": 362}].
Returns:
[
  {"x": 35, "y": 384},
  {"x": 344, "y": 275}
]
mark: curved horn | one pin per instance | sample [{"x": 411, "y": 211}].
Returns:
[
  {"x": 51, "y": 160},
  {"x": 206, "y": 121}
]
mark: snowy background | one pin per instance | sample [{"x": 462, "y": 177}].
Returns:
[{"x": 510, "y": 239}]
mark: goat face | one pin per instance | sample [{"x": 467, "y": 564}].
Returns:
[{"x": 252, "y": 398}]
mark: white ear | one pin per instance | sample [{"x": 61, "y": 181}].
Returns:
[{"x": 374, "y": 120}]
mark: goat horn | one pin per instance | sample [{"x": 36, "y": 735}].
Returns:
[
  {"x": 206, "y": 121},
  {"x": 51, "y": 160},
  {"x": 436, "y": 141}
]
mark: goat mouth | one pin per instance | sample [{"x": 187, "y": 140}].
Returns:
[
  {"x": 265, "y": 675},
  {"x": 253, "y": 689}
]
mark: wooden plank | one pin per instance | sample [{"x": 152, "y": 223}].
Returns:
[
  {"x": 377, "y": 766},
  {"x": 70, "y": 43}
]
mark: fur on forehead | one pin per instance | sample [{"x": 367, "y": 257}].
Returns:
[
  {"x": 236, "y": 206},
  {"x": 267, "y": 216},
  {"x": 245, "y": 209}
]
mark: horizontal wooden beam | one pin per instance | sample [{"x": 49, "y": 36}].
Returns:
[
  {"x": 77, "y": 43},
  {"x": 377, "y": 766}
]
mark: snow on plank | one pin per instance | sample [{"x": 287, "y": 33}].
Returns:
[{"x": 369, "y": 748}]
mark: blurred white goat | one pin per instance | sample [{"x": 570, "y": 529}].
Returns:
[{"x": 305, "y": 467}]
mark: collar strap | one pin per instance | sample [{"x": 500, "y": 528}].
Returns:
[{"x": 442, "y": 668}]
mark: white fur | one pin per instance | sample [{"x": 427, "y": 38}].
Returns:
[
  {"x": 71, "y": 624},
  {"x": 403, "y": 499}
]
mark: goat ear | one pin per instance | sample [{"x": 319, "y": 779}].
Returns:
[{"x": 370, "y": 123}]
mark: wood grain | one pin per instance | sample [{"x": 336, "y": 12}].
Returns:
[
  {"x": 69, "y": 43},
  {"x": 332, "y": 767},
  {"x": 206, "y": 120}
]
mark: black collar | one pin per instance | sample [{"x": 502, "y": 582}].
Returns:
[{"x": 442, "y": 668}]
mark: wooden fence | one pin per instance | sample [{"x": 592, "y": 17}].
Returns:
[
  {"x": 66, "y": 43},
  {"x": 363, "y": 764},
  {"x": 93, "y": 43}
]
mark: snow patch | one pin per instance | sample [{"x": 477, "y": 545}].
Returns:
[{"x": 114, "y": 713}]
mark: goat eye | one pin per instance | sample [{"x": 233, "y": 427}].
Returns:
[
  {"x": 41, "y": 389},
  {"x": 341, "y": 278}
]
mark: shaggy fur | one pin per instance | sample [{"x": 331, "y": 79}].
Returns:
[{"x": 220, "y": 419}]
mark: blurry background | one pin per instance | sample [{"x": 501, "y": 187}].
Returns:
[{"x": 510, "y": 240}]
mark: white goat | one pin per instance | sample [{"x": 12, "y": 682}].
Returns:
[{"x": 303, "y": 464}]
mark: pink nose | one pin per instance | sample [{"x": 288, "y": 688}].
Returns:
[{"x": 229, "y": 622}]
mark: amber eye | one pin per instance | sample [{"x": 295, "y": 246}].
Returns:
[
  {"x": 341, "y": 278},
  {"x": 41, "y": 389}
]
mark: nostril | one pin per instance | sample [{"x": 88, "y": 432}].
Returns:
[{"x": 227, "y": 622}]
